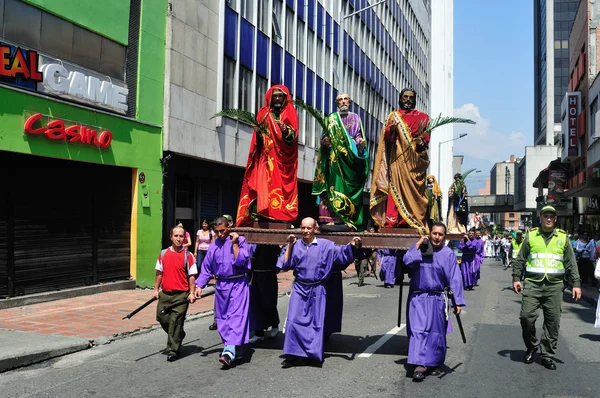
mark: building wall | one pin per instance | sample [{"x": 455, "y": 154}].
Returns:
[
  {"x": 536, "y": 159},
  {"x": 137, "y": 141}
]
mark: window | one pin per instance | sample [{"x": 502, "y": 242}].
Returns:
[
  {"x": 263, "y": 16},
  {"x": 277, "y": 19},
  {"x": 319, "y": 58},
  {"x": 289, "y": 31},
  {"x": 511, "y": 223},
  {"x": 300, "y": 39},
  {"x": 511, "y": 215},
  {"x": 229, "y": 84},
  {"x": 310, "y": 50},
  {"x": 245, "y": 89},
  {"x": 246, "y": 9},
  {"x": 261, "y": 90}
]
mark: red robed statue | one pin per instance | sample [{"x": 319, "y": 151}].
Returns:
[{"x": 270, "y": 185}]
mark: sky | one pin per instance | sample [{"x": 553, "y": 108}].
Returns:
[{"x": 493, "y": 82}]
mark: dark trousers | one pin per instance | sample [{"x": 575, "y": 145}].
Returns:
[
  {"x": 172, "y": 323},
  {"x": 586, "y": 270},
  {"x": 548, "y": 297},
  {"x": 263, "y": 301},
  {"x": 361, "y": 266}
]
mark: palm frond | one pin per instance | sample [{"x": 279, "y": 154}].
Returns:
[
  {"x": 314, "y": 112},
  {"x": 442, "y": 120},
  {"x": 465, "y": 175},
  {"x": 239, "y": 114}
]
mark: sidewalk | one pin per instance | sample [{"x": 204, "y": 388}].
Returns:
[{"x": 75, "y": 324}]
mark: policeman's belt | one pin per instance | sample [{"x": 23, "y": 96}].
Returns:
[
  {"x": 542, "y": 270},
  {"x": 229, "y": 277}
]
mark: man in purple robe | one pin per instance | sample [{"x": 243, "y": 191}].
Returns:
[
  {"x": 479, "y": 256},
  {"x": 469, "y": 248},
  {"x": 312, "y": 260},
  {"x": 228, "y": 260},
  {"x": 427, "y": 306},
  {"x": 387, "y": 266}
]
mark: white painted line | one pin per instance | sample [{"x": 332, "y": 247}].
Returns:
[{"x": 377, "y": 345}]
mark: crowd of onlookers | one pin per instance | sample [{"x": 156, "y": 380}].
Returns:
[{"x": 586, "y": 247}]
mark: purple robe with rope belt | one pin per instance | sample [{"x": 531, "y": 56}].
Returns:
[
  {"x": 426, "y": 323},
  {"x": 312, "y": 265},
  {"x": 232, "y": 293}
]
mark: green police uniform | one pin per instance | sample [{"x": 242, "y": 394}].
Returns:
[{"x": 545, "y": 257}]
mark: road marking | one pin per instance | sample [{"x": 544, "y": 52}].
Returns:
[
  {"x": 377, "y": 345},
  {"x": 362, "y": 295}
]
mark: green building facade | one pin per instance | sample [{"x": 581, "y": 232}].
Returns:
[{"x": 81, "y": 113}]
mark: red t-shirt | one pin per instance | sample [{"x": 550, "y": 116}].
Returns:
[{"x": 174, "y": 275}]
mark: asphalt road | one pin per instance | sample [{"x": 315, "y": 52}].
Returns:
[{"x": 490, "y": 365}]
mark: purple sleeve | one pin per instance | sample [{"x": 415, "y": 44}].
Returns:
[
  {"x": 413, "y": 257},
  {"x": 242, "y": 262},
  {"x": 205, "y": 268},
  {"x": 343, "y": 254},
  {"x": 461, "y": 245},
  {"x": 285, "y": 265}
]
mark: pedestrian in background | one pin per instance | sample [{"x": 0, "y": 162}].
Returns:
[
  {"x": 228, "y": 260},
  {"x": 547, "y": 258},
  {"x": 175, "y": 276},
  {"x": 469, "y": 247},
  {"x": 204, "y": 237},
  {"x": 584, "y": 253}
]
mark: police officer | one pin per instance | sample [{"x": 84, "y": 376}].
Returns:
[
  {"x": 515, "y": 246},
  {"x": 547, "y": 257}
]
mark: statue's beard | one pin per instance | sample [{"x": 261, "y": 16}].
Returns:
[
  {"x": 343, "y": 109},
  {"x": 277, "y": 106},
  {"x": 407, "y": 106}
]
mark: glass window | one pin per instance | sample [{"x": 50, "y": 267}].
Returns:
[
  {"x": 310, "y": 47},
  {"x": 57, "y": 36},
  {"x": 511, "y": 215},
  {"x": 112, "y": 60},
  {"x": 261, "y": 90},
  {"x": 22, "y": 23},
  {"x": 246, "y": 9},
  {"x": 319, "y": 57},
  {"x": 245, "y": 89},
  {"x": 87, "y": 47},
  {"x": 289, "y": 31},
  {"x": 229, "y": 84},
  {"x": 263, "y": 16},
  {"x": 277, "y": 20},
  {"x": 300, "y": 40}
]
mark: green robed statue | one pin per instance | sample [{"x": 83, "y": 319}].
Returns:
[{"x": 342, "y": 168}]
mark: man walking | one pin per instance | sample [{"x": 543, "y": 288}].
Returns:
[
  {"x": 426, "y": 309},
  {"x": 514, "y": 248},
  {"x": 547, "y": 258},
  {"x": 312, "y": 260},
  {"x": 228, "y": 260},
  {"x": 175, "y": 273}
]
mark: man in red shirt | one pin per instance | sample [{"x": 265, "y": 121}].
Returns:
[{"x": 176, "y": 274}]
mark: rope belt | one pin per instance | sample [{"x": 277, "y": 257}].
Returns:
[
  {"x": 444, "y": 293},
  {"x": 229, "y": 277}
]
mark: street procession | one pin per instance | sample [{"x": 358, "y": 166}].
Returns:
[{"x": 253, "y": 198}]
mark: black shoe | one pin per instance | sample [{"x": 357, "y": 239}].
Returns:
[
  {"x": 361, "y": 284},
  {"x": 287, "y": 363},
  {"x": 529, "y": 354},
  {"x": 172, "y": 357},
  {"x": 213, "y": 326},
  {"x": 418, "y": 376},
  {"x": 434, "y": 372},
  {"x": 548, "y": 363}
]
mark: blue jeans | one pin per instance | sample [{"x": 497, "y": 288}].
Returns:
[
  {"x": 200, "y": 258},
  {"x": 231, "y": 350}
]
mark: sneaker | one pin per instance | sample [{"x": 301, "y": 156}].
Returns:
[
  {"x": 255, "y": 339},
  {"x": 225, "y": 359}
]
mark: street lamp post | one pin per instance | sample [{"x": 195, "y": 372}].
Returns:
[
  {"x": 341, "y": 45},
  {"x": 440, "y": 152}
]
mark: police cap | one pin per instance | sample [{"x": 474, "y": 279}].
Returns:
[{"x": 548, "y": 209}]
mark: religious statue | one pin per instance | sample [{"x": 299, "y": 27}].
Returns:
[
  {"x": 270, "y": 184},
  {"x": 434, "y": 201},
  {"x": 398, "y": 197},
  {"x": 458, "y": 206},
  {"x": 341, "y": 171}
]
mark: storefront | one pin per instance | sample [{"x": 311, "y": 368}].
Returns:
[{"x": 80, "y": 146}]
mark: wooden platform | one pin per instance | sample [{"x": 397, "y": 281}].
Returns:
[{"x": 399, "y": 238}]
